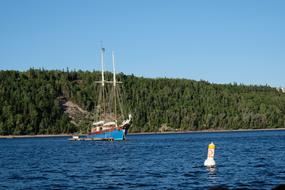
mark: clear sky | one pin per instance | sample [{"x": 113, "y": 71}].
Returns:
[{"x": 222, "y": 41}]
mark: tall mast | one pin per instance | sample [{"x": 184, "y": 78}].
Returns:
[
  {"x": 114, "y": 86},
  {"x": 102, "y": 65},
  {"x": 103, "y": 82},
  {"x": 114, "y": 72}
]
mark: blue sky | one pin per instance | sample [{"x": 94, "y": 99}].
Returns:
[{"x": 222, "y": 41}]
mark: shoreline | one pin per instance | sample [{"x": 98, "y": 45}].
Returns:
[
  {"x": 207, "y": 131},
  {"x": 144, "y": 133},
  {"x": 33, "y": 136}
]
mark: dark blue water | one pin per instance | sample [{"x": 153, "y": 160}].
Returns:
[{"x": 245, "y": 160}]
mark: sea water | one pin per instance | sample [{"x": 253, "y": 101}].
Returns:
[{"x": 245, "y": 160}]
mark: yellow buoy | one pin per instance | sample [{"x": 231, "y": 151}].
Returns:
[{"x": 210, "y": 162}]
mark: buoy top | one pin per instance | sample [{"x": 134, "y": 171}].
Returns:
[{"x": 212, "y": 146}]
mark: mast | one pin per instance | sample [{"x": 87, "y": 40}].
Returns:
[
  {"x": 102, "y": 65},
  {"x": 103, "y": 82},
  {"x": 114, "y": 86}
]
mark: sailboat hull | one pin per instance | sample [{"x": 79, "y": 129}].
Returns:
[{"x": 116, "y": 134}]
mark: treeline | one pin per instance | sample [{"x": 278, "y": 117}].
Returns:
[{"x": 30, "y": 103}]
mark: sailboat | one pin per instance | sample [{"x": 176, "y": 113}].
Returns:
[{"x": 110, "y": 123}]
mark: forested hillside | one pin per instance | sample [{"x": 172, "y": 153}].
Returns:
[{"x": 31, "y": 103}]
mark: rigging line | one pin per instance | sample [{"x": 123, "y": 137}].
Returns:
[{"x": 120, "y": 102}]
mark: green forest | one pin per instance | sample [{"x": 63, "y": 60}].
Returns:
[{"x": 31, "y": 103}]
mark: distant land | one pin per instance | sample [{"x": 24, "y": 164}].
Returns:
[{"x": 42, "y": 102}]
